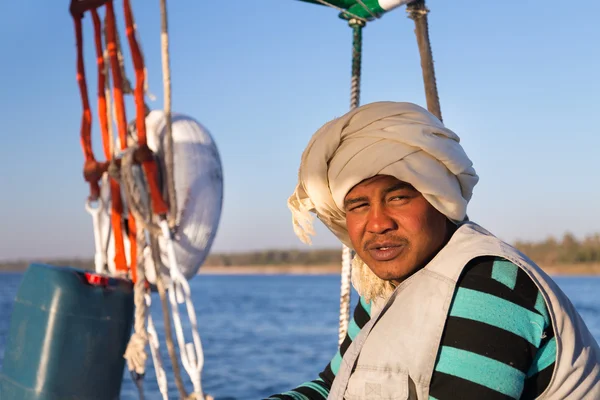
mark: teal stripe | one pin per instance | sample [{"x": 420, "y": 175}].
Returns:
[
  {"x": 540, "y": 306},
  {"x": 432, "y": 398},
  {"x": 505, "y": 272},
  {"x": 503, "y": 314},
  {"x": 295, "y": 395},
  {"x": 482, "y": 370},
  {"x": 365, "y": 305},
  {"x": 317, "y": 388},
  {"x": 353, "y": 329},
  {"x": 336, "y": 362},
  {"x": 544, "y": 357}
]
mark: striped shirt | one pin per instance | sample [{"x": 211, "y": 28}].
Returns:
[{"x": 498, "y": 341}]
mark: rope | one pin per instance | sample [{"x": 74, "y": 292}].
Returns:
[
  {"x": 133, "y": 246},
  {"x": 357, "y": 27},
  {"x": 192, "y": 356},
  {"x": 136, "y": 204},
  {"x": 345, "y": 293},
  {"x": 125, "y": 89},
  {"x": 139, "y": 204},
  {"x": 161, "y": 375},
  {"x": 166, "y": 317},
  {"x": 347, "y": 254},
  {"x": 417, "y": 11},
  {"x": 164, "y": 39},
  {"x": 135, "y": 354},
  {"x": 140, "y": 207}
]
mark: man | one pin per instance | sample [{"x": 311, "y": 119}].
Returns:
[{"x": 447, "y": 310}]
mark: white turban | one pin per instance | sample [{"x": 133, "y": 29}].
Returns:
[{"x": 384, "y": 138}]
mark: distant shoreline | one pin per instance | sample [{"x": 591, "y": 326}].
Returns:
[
  {"x": 573, "y": 269},
  {"x": 326, "y": 269},
  {"x": 555, "y": 270},
  {"x": 585, "y": 269}
]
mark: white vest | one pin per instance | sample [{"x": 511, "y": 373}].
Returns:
[{"x": 395, "y": 351}]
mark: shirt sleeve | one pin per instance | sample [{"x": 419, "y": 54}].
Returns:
[
  {"x": 318, "y": 389},
  {"x": 497, "y": 341}
]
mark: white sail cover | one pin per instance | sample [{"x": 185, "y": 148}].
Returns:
[
  {"x": 198, "y": 180},
  {"x": 388, "y": 5}
]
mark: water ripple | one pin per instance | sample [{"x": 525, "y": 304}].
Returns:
[{"x": 266, "y": 334}]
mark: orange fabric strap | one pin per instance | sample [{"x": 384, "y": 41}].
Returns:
[
  {"x": 86, "y": 119},
  {"x": 111, "y": 35},
  {"x": 132, "y": 247},
  {"x": 115, "y": 190},
  {"x": 159, "y": 206},
  {"x": 102, "y": 111}
]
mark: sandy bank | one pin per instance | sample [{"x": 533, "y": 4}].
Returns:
[{"x": 569, "y": 269}]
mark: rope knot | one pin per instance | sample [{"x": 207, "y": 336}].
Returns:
[
  {"x": 136, "y": 353},
  {"x": 114, "y": 169}
]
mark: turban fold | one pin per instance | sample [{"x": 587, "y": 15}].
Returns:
[{"x": 384, "y": 138}]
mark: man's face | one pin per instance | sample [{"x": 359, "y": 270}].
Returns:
[{"x": 393, "y": 229}]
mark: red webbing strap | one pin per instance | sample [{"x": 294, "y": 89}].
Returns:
[
  {"x": 102, "y": 111},
  {"x": 111, "y": 38},
  {"x": 159, "y": 206},
  {"x": 111, "y": 35},
  {"x": 115, "y": 190},
  {"x": 78, "y": 7},
  {"x": 132, "y": 247},
  {"x": 86, "y": 119}
]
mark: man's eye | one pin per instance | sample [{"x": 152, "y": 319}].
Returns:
[
  {"x": 399, "y": 198},
  {"x": 358, "y": 206}
]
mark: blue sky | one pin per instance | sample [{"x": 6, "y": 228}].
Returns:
[{"x": 517, "y": 80}]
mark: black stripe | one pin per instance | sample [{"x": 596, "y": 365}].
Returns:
[
  {"x": 495, "y": 288},
  {"x": 323, "y": 385},
  {"x": 361, "y": 316},
  {"x": 281, "y": 397},
  {"x": 489, "y": 341},
  {"x": 309, "y": 392},
  {"x": 480, "y": 266},
  {"x": 526, "y": 288},
  {"x": 549, "y": 335},
  {"x": 345, "y": 344},
  {"x": 327, "y": 375},
  {"x": 447, "y": 387},
  {"x": 536, "y": 384}
]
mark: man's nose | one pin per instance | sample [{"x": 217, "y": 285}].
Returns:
[{"x": 379, "y": 221}]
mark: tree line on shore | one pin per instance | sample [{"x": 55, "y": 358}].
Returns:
[
  {"x": 568, "y": 250},
  {"x": 549, "y": 252}
]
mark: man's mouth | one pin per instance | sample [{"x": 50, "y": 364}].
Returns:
[{"x": 385, "y": 251}]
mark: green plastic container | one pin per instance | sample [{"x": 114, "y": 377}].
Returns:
[{"x": 68, "y": 333}]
